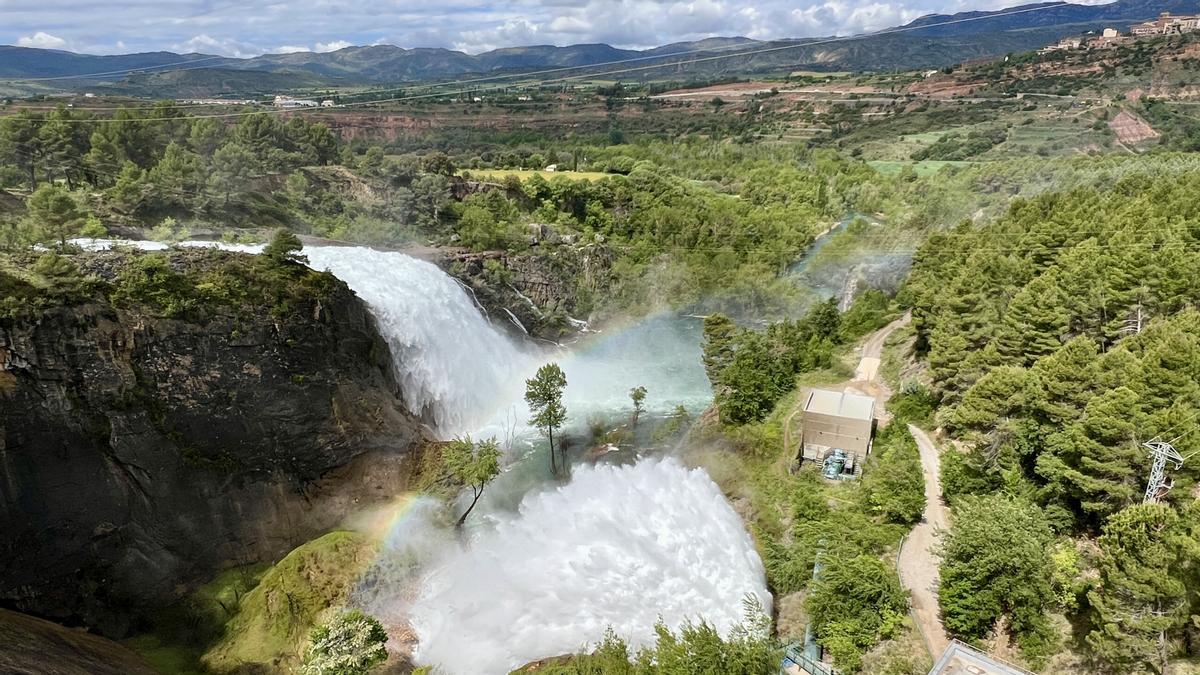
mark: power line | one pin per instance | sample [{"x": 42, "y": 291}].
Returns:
[{"x": 459, "y": 83}]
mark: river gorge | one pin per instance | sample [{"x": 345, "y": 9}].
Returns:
[{"x": 546, "y": 563}]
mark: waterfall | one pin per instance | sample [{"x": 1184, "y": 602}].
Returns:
[
  {"x": 453, "y": 365},
  {"x": 619, "y": 546}
]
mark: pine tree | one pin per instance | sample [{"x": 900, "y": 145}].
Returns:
[
  {"x": 177, "y": 178},
  {"x": 54, "y": 213},
  {"x": 1141, "y": 601},
  {"x": 1097, "y": 460},
  {"x": 205, "y": 136},
  {"x": 1036, "y": 321},
  {"x": 719, "y": 335},
  {"x": 1067, "y": 380},
  {"x": 232, "y": 166},
  {"x": 1004, "y": 393},
  {"x": 63, "y": 146},
  {"x": 104, "y": 158},
  {"x": 1096, "y": 289},
  {"x": 130, "y": 190},
  {"x": 21, "y": 145}
]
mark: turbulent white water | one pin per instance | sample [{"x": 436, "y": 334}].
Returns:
[
  {"x": 617, "y": 546},
  {"x": 452, "y": 364}
]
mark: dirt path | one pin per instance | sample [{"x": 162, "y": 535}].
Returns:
[
  {"x": 872, "y": 350},
  {"x": 917, "y": 563},
  {"x": 866, "y": 378}
]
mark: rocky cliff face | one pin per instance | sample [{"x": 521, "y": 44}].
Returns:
[
  {"x": 543, "y": 293},
  {"x": 143, "y": 447}
]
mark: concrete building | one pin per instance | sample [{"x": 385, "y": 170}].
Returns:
[
  {"x": 838, "y": 420},
  {"x": 289, "y": 102},
  {"x": 1166, "y": 24},
  {"x": 1065, "y": 44},
  {"x": 1111, "y": 37},
  {"x": 962, "y": 659}
]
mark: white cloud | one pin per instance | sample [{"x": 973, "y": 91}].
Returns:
[
  {"x": 289, "y": 49},
  {"x": 205, "y": 44},
  {"x": 246, "y": 27},
  {"x": 332, "y": 46},
  {"x": 511, "y": 33},
  {"x": 42, "y": 40}
]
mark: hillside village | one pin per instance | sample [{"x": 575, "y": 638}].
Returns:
[{"x": 1165, "y": 24}]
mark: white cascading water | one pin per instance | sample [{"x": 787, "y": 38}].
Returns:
[
  {"x": 452, "y": 364},
  {"x": 454, "y": 367},
  {"x": 618, "y": 546}
]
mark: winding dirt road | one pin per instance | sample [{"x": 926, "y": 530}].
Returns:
[{"x": 917, "y": 563}]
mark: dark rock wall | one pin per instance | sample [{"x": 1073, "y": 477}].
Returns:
[
  {"x": 140, "y": 454},
  {"x": 543, "y": 288}
]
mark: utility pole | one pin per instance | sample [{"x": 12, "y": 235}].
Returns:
[{"x": 1161, "y": 452}]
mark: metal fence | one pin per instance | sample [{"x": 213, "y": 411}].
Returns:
[{"x": 791, "y": 654}]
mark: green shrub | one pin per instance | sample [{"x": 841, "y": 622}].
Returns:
[
  {"x": 748, "y": 649},
  {"x": 856, "y": 602},
  {"x": 893, "y": 484},
  {"x": 996, "y": 563},
  {"x": 350, "y": 644}
]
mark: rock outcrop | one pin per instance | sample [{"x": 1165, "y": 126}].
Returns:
[
  {"x": 543, "y": 293},
  {"x": 35, "y": 647},
  {"x": 144, "y": 447}
]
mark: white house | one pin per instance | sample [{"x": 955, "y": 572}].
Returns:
[{"x": 289, "y": 102}]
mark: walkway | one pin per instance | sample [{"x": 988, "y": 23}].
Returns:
[{"x": 917, "y": 563}]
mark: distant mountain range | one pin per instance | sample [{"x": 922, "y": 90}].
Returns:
[{"x": 931, "y": 41}]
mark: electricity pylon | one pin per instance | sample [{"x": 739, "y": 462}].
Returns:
[{"x": 1161, "y": 452}]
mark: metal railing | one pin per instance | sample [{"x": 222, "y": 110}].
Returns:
[
  {"x": 955, "y": 643},
  {"x": 794, "y": 655}
]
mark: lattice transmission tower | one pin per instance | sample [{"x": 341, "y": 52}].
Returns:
[{"x": 1161, "y": 453}]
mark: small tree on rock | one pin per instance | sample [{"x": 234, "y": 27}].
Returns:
[
  {"x": 285, "y": 248},
  {"x": 544, "y": 393},
  {"x": 638, "y": 396},
  {"x": 474, "y": 465}
]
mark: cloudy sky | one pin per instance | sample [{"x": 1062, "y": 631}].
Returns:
[{"x": 252, "y": 27}]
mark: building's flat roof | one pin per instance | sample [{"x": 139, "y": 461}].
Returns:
[
  {"x": 961, "y": 659},
  {"x": 841, "y": 404}
]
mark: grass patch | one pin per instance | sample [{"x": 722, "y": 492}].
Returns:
[
  {"x": 165, "y": 656},
  {"x": 273, "y": 620},
  {"x": 183, "y": 631},
  {"x": 924, "y": 168},
  {"x": 820, "y": 73},
  {"x": 926, "y": 137}
]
